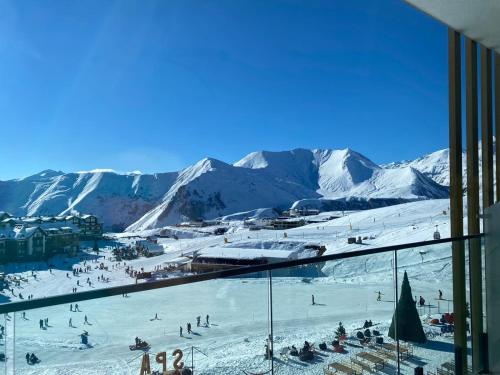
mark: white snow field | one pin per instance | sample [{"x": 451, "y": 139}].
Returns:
[{"x": 238, "y": 308}]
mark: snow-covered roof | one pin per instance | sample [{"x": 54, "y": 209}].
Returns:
[
  {"x": 23, "y": 232},
  {"x": 33, "y": 219},
  {"x": 245, "y": 253},
  {"x": 9, "y": 220}
]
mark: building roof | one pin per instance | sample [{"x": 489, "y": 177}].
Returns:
[
  {"x": 476, "y": 19},
  {"x": 244, "y": 253},
  {"x": 33, "y": 219},
  {"x": 9, "y": 220},
  {"x": 23, "y": 231}
]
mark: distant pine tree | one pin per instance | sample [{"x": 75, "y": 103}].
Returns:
[
  {"x": 409, "y": 324},
  {"x": 340, "y": 331}
]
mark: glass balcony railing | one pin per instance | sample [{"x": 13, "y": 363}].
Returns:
[{"x": 381, "y": 310}]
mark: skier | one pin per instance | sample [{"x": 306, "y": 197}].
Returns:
[
  {"x": 86, "y": 320},
  {"x": 207, "y": 319},
  {"x": 76, "y": 307},
  {"x": 440, "y": 294},
  {"x": 70, "y": 324},
  {"x": 46, "y": 322},
  {"x": 180, "y": 331},
  {"x": 312, "y": 298},
  {"x": 28, "y": 358},
  {"x": 71, "y": 305},
  {"x": 41, "y": 323},
  {"x": 198, "y": 320},
  {"x": 24, "y": 315},
  {"x": 188, "y": 326}
]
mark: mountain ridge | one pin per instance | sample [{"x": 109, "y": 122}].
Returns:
[{"x": 212, "y": 188}]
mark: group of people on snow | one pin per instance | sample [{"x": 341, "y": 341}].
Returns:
[
  {"x": 31, "y": 359},
  {"x": 43, "y": 323},
  {"x": 198, "y": 324}
]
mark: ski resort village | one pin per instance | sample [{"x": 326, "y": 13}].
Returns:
[
  {"x": 279, "y": 187},
  {"x": 329, "y": 315}
]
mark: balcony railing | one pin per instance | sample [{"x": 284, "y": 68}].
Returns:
[{"x": 322, "y": 315}]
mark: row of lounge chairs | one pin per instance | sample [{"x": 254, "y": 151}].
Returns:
[{"x": 370, "y": 361}]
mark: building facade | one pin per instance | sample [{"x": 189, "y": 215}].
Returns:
[{"x": 37, "y": 238}]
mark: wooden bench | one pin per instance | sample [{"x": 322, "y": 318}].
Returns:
[
  {"x": 364, "y": 366},
  {"x": 387, "y": 354},
  {"x": 379, "y": 363},
  {"x": 335, "y": 367}
]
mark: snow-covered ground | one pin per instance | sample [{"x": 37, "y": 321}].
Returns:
[{"x": 238, "y": 308}]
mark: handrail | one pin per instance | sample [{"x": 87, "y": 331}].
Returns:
[{"x": 134, "y": 288}]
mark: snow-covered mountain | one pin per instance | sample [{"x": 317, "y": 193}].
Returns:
[
  {"x": 116, "y": 199},
  {"x": 434, "y": 165},
  {"x": 212, "y": 188}
]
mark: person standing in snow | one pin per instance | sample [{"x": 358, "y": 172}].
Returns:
[
  {"x": 86, "y": 320},
  {"x": 421, "y": 301},
  {"x": 312, "y": 298},
  {"x": 198, "y": 321},
  {"x": 379, "y": 297},
  {"x": 440, "y": 294},
  {"x": 180, "y": 331},
  {"x": 70, "y": 323},
  {"x": 207, "y": 320}
]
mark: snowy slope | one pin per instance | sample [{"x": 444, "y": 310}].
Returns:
[
  {"x": 238, "y": 308},
  {"x": 116, "y": 199},
  {"x": 343, "y": 173},
  {"x": 434, "y": 165},
  {"x": 212, "y": 188}
]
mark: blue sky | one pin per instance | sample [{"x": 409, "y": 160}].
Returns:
[{"x": 157, "y": 85}]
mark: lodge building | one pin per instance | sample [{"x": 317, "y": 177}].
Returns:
[{"x": 37, "y": 238}]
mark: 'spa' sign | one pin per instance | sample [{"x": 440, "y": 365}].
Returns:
[{"x": 161, "y": 358}]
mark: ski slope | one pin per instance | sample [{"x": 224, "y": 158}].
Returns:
[{"x": 238, "y": 308}]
